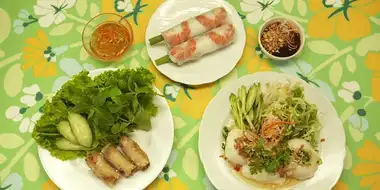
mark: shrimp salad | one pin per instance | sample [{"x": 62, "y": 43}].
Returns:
[{"x": 272, "y": 136}]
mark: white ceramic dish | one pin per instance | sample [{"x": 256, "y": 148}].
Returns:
[
  {"x": 208, "y": 68},
  {"x": 217, "y": 113},
  {"x": 157, "y": 143},
  {"x": 281, "y": 19}
]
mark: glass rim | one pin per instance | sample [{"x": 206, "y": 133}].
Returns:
[{"x": 129, "y": 27}]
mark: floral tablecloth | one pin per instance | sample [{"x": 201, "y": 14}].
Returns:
[{"x": 41, "y": 48}]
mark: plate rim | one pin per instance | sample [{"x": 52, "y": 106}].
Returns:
[
  {"x": 187, "y": 82},
  {"x": 148, "y": 182},
  {"x": 230, "y": 84}
]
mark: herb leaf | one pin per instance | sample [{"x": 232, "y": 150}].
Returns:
[{"x": 114, "y": 102}]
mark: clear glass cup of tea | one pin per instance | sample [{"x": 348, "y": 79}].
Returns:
[{"x": 107, "y": 37}]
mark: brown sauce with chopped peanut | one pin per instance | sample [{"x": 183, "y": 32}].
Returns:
[{"x": 281, "y": 39}]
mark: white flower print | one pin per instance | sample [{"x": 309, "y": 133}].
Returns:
[
  {"x": 18, "y": 26},
  {"x": 350, "y": 91},
  {"x": 170, "y": 174},
  {"x": 15, "y": 113},
  {"x": 32, "y": 95},
  {"x": 171, "y": 91},
  {"x": 258, "y": 9},
  {"x": 124, "y": 5},
  {"x": 167, "y": 173},
  {"x": 359, "y": 122},
  {"x": 27, "y": 124},
  {"x": 24, "y": 14},
  {"x": 358, "y": 125},
  {"x": 52, "y": 11},
  {"x": 12, "y": 182},
  {"x": 334, "y": 3}
]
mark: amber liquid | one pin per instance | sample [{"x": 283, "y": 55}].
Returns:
[
  {"x": 110, "y": 40},
  {"x": 289, "y": 182}
]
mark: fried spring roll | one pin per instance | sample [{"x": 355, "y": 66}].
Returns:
[
  {"x": 102, "y": 169},
  {"x": 134, "y": 152},
  {"x": 117, "y": 159}
]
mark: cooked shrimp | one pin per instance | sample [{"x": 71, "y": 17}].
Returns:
[
  {"x": 223, "y": 39},
  {"x": 213, "y": 19},
  {"x": 195, "y": 26},
  {"x": 175, "y": 37},
  {"x": 207, "y": 22},
  {"x": 185, "y": 50},
  {"x": 220, "y": 16}
]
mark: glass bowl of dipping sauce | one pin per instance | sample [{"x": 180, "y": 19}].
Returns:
[{"x": 107, "y": 37}]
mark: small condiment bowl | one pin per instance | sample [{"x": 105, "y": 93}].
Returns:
[
  {"x": 282, "y": 19},
  {"x": 98, "y": 20}
]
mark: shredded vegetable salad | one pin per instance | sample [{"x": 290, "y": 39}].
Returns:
[{"x": 269, "y": 116}]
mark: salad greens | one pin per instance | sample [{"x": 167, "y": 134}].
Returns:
[
  {"x": 287, "y": 103},
  {"x": 283, "y": 102},
  {"x": 270, "y": 115},
  {"x": 114, "y": 103}
]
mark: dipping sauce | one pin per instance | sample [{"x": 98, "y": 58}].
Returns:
[
  {"x": 110, "y": 40},
  {"x": 281, "y": 39}
]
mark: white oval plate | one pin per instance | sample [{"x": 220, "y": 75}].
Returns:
[
  {"x": 217, "y": 112},
  {"x": 157, "y": 143},
  {"x": 208, "y": 68}
]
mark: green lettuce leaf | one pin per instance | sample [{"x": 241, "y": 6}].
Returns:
[{"x": 115, "y": 103}]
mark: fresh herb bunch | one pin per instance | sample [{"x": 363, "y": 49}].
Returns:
[
  {"x": 114, "y": 104},
  {"x": 267, "y": 160}
]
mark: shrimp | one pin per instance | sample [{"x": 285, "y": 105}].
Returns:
[
  {"x": 213, "y": 19},
  {"x": 224, "y": 39},
  {"x": 185, "y": 50},
  {"x": 172, "y": 37},
  {"x": 220, "y": 16}
]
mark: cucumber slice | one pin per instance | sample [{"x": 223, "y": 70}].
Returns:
[
  {"x": 64, "y": 144},
  {"x": 65, "y": 130},
  {"x": 81, "y": 129}
]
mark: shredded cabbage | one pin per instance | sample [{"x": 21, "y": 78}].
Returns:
[{"x": 287, "y": 103}]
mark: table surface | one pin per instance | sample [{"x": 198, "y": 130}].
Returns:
[{"x": 41, "y": 48}]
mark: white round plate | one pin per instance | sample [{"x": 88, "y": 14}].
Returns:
[
  {"x": 208, "y": 68},
  {"x": 157, "y": 143},
  {"x": 217, "y": 113}
]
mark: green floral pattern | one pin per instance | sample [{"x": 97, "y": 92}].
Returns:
[{"x": 41, "y": 48}]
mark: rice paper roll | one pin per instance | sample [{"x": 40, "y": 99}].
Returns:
[
  {"x": 134, "y": 152},
  {"x": 118, "y": 160},
  {"x": 102, "y": 169},
  {"x": 195, "y": 26},
  {"x": 211, "y": 41}
]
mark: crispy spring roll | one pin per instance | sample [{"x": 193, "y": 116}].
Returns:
[
  {"x": 192, "y": 27},
  {"x": 102, "y": 169},
  {"x": 134, "y": 152},
  {"x": 117, "y": 159}
]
